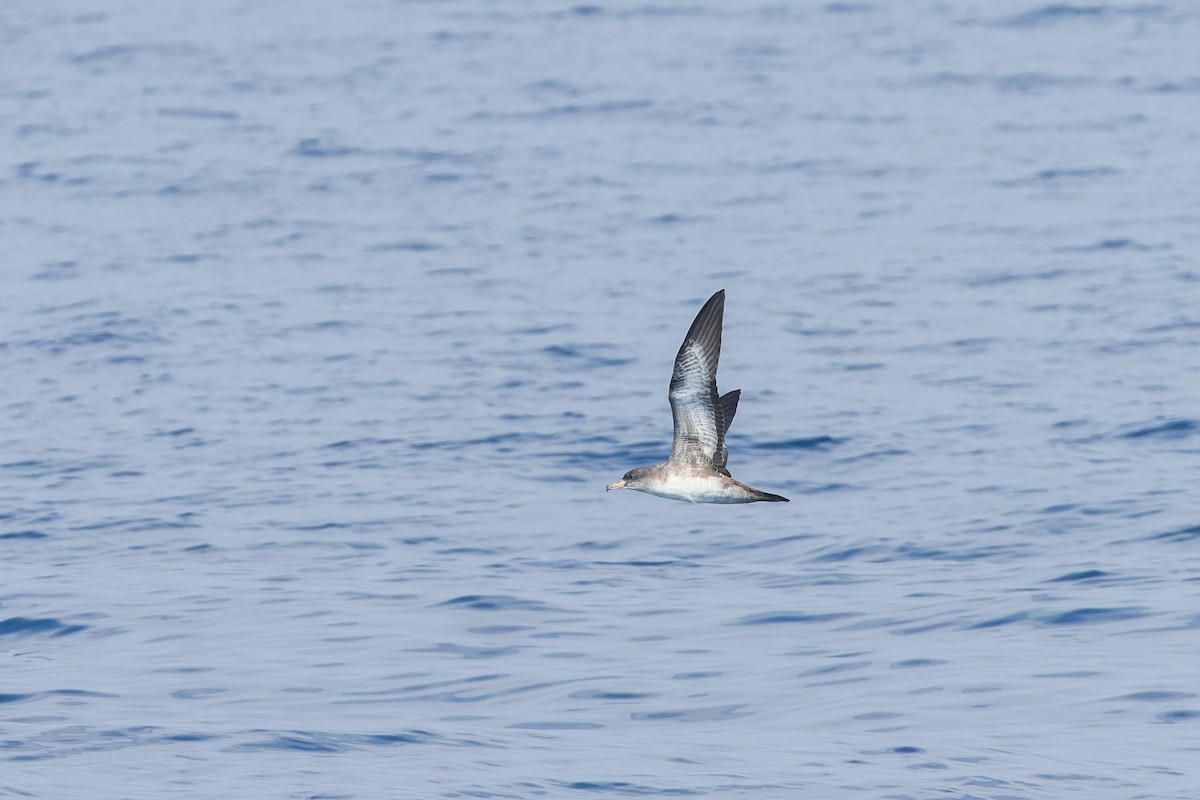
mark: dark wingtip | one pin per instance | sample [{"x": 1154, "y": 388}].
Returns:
[{"x": 706, "y": 330}]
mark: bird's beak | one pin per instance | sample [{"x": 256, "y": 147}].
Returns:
[{"x": 617, "y": 485}]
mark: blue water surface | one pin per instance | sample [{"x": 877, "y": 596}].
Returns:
[{"x": 323, "y": 326}]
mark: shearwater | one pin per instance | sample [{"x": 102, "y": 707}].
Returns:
[{"x": 695, "y": 470}]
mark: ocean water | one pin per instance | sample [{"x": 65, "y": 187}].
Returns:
[{"x": 322, "y": 327}]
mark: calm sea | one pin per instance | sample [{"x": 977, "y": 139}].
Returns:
[{"x": 323, "y": 326}]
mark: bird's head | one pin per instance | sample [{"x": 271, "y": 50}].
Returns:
[{"x": 634, "y": 479}]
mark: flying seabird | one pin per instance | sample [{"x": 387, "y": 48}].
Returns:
[{"x": 696, "y": 471}]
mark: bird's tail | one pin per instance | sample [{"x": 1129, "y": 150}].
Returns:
[{"x": 767, "y": 497}]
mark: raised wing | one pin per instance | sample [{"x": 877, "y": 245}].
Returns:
[
  {"x": 729, "y": 403},
  {"x": 695, "y": 404}
]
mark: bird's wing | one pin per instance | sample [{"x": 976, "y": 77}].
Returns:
[
  {"x": 695, "y": 405},
  {"x": 729, "y": 402}
]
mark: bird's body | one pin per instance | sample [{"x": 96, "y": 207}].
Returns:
[
  {"x": 695, "y": 471},
  {"x": 694, "y": 486}
]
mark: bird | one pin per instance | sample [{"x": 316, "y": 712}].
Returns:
[{"x": 696, "y": 470}]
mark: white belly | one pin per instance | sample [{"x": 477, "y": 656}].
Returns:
[{"x": 700, "y": 489}]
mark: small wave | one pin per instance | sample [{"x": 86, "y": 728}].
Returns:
[
  {"x": 711, "y": 714},
  {"x": 494, "y": 439},
  {"x": 1155, "y": 696},
  {"x": 809, "y": 443},
  {"x": 1065, "y": 13},
  {"x": 624, "y": 788},
  {"x": 586, "y": 355},
  {"x": 315, "y": 148},
  {"x": 73, "y": 693},
  {"x": 23, "y": 535},
  {"x": 918, "y": 662},
  {"x": 847, "y": 8},
  {"x": 1182, "y": 715},
  {"x": 1058, "y": 12},
  {"x": 406, "y": 246},
  {"x": 1000, "y": 622},
  {"x": 777, "y": 617},
  {"x": 1172, "y": 429},
  {"x": 1106, "y": 244},
  {"x": 323, "y": 742},
  {"x": 871, "y": 455},
  {"x": 349, "y": 444},
  {"x": 850, "y": 553},
  {"x": 917, "y": 553},
  {"x": 596, "y": 694},
  {"x": 1084, "y": 575},
  {"x": 198, "y": 113},
  {"x": 1090, "y": 616},
  {"x": 467, "y": 651},
  {"x": 25, "y": 626},
  {"x": 1181, "y": 535},
  {"x": 555, "y": 726},
  {"x": 496, "y": 602}
]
